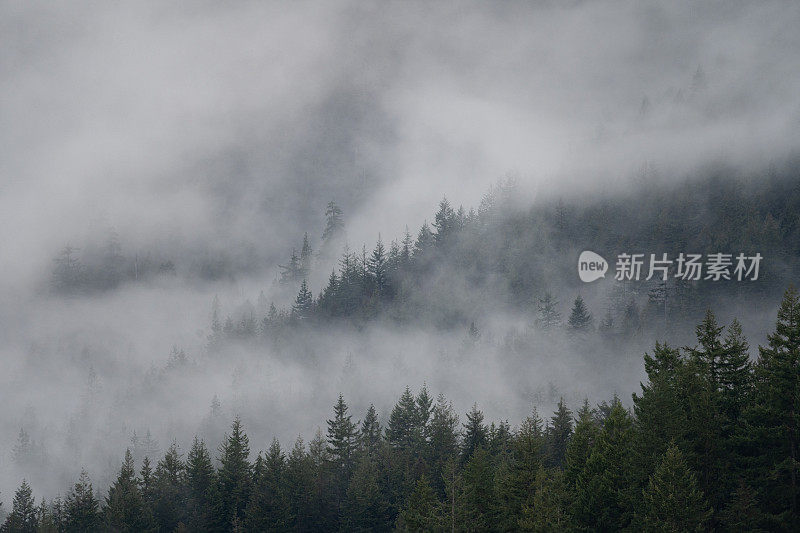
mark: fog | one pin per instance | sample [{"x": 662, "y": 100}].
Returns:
[{"x": 216, "y": 133}]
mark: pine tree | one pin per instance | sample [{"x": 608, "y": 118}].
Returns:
[
  {"x": 293, "y": 272},
  {"x": 377, "y": 268},
  {"x": 269, "y": 506},
  {"x": 549, "y": 509},
  {"x": 559, "y": 433},
  {"x": 475, "y": 434},
  {"x": 342, "y": 438},
  {"x": 580, "y": 445},
  {"x": 444, "y": 223},
  {"x": 602, "y": 501},
  {"x": 81, "y": 508},
  {"x": 580, "y": 320},
  {"x": 422, "y": 509},
  {"x": 305, "y": 257},
  {"x": 125, "y": 508},
  {"x": 234, "y": 477},
  {"x": 303, "y": 303},
  {"x": 370, "y": 434},
  {"x": 200, "y": 482},
  {"x": 23, "y": 517},
  {"x": 442, "y": 440},
  {"x": 424, "y": 242},
  {"x": 401, "y": 431},
  {"x": 549, "y": 317},
  {"x": 478, "y": 495},
  {"x": 672, "y": 500},
  {"x": 169, "y": 482},
  {"x": 365, "y": 508},
  {"x": 771, "y": 435},
  {"x": 334, "y": 223}
]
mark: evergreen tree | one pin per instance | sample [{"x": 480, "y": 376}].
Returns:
[
  {"x": 442, "y": 440},
  {"x": 365, "y": 508},
  {"x": 579, "y": 318},
  {"x": 81, "y": 508},
  {"x": 478, "y": 495},
  {"x": 234, "y": 477},
  {"x": 170, "y": 490},
  {"x": 269, "y": 506},
  {"x": 602, "y": 501},
  {"x": 422, "y": 510},
  {"x": 401, "y": 432},
  {"x": 370, "y": 434},
  {"x": 559, "y": 433},
  {"x": 475, "y": 434},
  {"x": 377, "y": 267},
  {"x": 303, "y": 303},
  {"x": 200, "y": 482},
  {"x": 125, "y": 508},
  {"x": 23, "y": 517},
  {"x": 334, "y": 223},
  {"x": 771, "y": 435},
  {"x": 549, "y": 510},
  {"x": 292, "y": 272},
  {"x": 580, "y": 445},
  {"x": 444, "y": 222},
  {"x": 549, "y": 317},
  {"x": 305, "y": 257},
  {"x": 673, "y": 501}
]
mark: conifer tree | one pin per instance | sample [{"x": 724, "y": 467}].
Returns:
[
  {"x": 23, "y": 517},
  {"x": 771, "y": 435},
  {"x": 370, "y": 434},
  {"x": 365, "y": 508},
  {"x": 334, "y": 223},
  {"x": 475, "y": 434},
  {"x": 422, "y": 509},
  {"x": 580, "y": 445},
  {"x": 559, "y": 433},
  {"x": 602, "y": 501},
  {"x": 549, "y": 509},
  {"x": 269, "y": 506},
  {"x": 672, "y": 500},
  {"x": 377, "y": 267},
  {"x": 200, "y": 482},
  {"x": 342, "y": 439},
  {"x": 169, "y": 483},
  {"x": 549, "y": 317},
  {"x": 402, "y": 427},
  {"x": 234, "y": 477},
  {"x": 81, "y": 508},
  {"x": 303, "y": 303},
  {"x": 305, "y": 258},
  {"x": 580, "y": 321},
  {"x": 125, "y": 508}
]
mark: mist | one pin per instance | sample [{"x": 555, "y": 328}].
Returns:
[{"x": 208, "y": 139}]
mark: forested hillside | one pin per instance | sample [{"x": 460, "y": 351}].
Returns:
[
  {"x": 710, "y": 444},
  {"x": 468, "y": 263}
]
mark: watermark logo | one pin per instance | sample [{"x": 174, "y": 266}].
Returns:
[
  {"x": 687, "y": 267},
  {"x": 591, "y": 266}
]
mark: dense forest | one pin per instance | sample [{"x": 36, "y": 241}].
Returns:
[
  {"x": 711, "y": 443},
  {"x": 466, "y": 264}
]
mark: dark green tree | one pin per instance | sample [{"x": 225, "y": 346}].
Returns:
[
  {"x": 23, "y": 517},
  {"x": 234, "y": 477},
  {"x": 475, "y": 434},
  {"x": 559, "y": 433},
  {"x": 125, "y": 508},
  {"x": 672, "y": 500},
  {"x": 81, "y": 508}
]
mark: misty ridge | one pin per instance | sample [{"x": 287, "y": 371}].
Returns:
[{"x": 251, "y": 214}]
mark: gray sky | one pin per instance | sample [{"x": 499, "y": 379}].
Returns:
[{"x": 224, "y": 125}]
